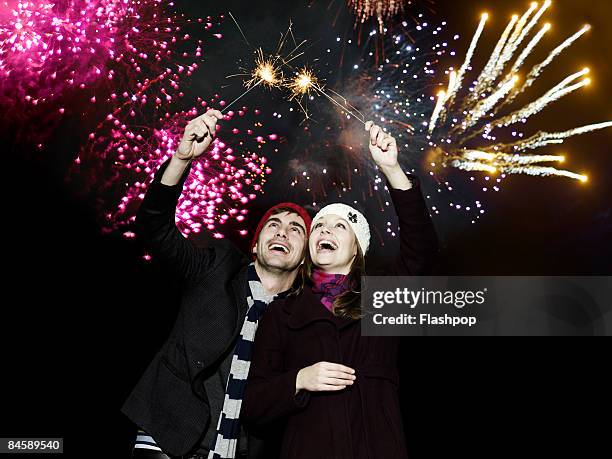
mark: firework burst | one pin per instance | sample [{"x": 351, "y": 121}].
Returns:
[
  {"x": 381, "y": 10},
  {"x": 447, "y": 140},
  {"x": 121, "y": 160},
  {"x": 64, "y": 58},
  {"x": 457, "y": 121}
]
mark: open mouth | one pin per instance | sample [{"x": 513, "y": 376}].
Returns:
[
  {"x": 325, "y": 245},
  {"x": 277, "y": 247}
]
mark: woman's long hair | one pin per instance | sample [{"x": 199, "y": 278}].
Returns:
[{"x": 347, "y": 304}]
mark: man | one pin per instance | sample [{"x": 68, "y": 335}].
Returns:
[{"x": 188, "y": 401}]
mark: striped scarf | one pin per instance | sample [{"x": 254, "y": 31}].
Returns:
[{"x": 228, "y": 427}]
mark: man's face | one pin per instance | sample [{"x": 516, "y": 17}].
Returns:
[{"x": 281, "y": 243}]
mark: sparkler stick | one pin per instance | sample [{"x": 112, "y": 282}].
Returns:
[
  {"x": 240, "y": 97},
  {"x": 339, "y": 105}
]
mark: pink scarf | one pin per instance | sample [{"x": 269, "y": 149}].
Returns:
[{"x": 328, "y": 287}]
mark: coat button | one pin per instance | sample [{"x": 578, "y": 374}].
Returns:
[{"x": 199, "y": 363}]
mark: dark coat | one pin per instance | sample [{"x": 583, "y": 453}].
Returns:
[
  {"x": 170, "y": 402},
  {"x": 364, "y": 420}
]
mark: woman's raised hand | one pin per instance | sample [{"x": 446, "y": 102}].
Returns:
[
  {"x": 383, "y": 146},
  {"x": 199, "y": 134},
  {"x": 324, "y": 376}
]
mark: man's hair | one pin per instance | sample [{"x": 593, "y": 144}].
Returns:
[{"x": 281, "y": 210}]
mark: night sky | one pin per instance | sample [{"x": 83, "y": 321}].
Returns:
[{"x": 83, "y": 313}]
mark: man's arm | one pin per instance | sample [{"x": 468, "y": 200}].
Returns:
[
  {"x": 175, "y": 170},
  {"x": 156, "y": 216}
]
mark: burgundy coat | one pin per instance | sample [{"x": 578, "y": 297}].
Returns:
[{"x": 362, "y": 421}]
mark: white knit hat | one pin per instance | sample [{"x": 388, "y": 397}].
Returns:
[{"x": 355, "y": 219}]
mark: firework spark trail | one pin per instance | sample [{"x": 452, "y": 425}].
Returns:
[
  {"x": 543, "y": 139},
  {"x": 437, "y": 110},
  {"x": 556, "y": 93},
  {"x": 452, "y": 91},
  {"x": 529, "y": 49},
  {"x": 485, "y": 105},
  {"x": 512, "y": 43},
  {"x": 484, "y": 78},
  {"x": 476, "y": 160},
  {"x": 477, "y": 155},
  {"x": 515, "y": 68},
  {"x": 541, "y": 171},
  {"x": 538, "y": 69},
  {"x": 451, "y": 142}
]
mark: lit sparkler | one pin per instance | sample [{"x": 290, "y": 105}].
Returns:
[
  {"x": 305, "y": 81},
  {"x": 301, "y": 85}
]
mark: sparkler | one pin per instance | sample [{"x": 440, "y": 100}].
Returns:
[
  {"x": 302, "y": 84},
  {"x": 305, "y": 81},
  {"x": 265, "y": 73},
  {"x": 267, "y": 69}
]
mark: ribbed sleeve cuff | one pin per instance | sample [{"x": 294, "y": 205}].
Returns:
[
  {"x": 166, "y": 195},
  {"x": 292, "y": 401}
]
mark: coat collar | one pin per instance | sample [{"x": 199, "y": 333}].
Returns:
[{"x": 306, "y": 309}]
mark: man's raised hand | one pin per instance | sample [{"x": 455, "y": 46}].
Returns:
[{"x": 199, "y": 134}]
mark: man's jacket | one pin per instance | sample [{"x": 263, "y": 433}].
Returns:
[{"x": 170, "y": 402}]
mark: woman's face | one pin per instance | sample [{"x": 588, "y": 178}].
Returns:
[{"x": 332, "y": 244}]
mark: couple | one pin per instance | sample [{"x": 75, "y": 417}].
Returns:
[{"x": 311, "y": 375}]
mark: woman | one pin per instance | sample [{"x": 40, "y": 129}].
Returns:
[{"x": 337, "y": 391}]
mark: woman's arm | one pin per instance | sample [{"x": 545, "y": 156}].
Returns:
[{"x": 418, "y": 239}]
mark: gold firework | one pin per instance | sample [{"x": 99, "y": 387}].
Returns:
[{"x": 477, "y": 114}]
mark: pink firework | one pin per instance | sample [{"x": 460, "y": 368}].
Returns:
[
  {"x": 120, "y": 66},
  {"x": 65, "y": 57},
  {"x": 122, "y": 161}
]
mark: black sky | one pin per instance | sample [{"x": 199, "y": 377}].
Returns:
[{"x": 83, "y": 314}]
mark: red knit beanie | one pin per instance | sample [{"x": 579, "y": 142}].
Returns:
[{"x": 290, "y": 205}]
